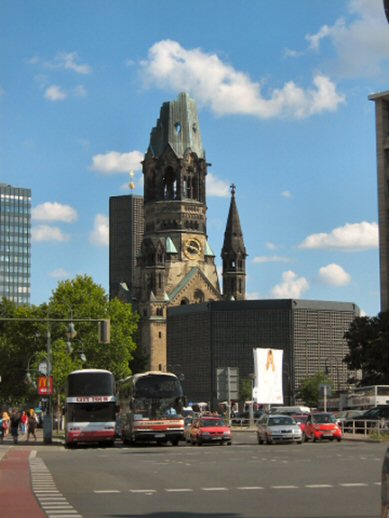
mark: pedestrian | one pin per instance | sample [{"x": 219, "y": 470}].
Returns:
[
  {"x": 23, "y": 422},
  {"x": 1, "y": 429},
  {"x": 31, "y": 425},
  {"x": 14, "y": 424},
  {"x": 5, "y": 424}
]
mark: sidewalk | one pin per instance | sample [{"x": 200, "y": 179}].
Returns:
[{"x": 16, "y": 495}]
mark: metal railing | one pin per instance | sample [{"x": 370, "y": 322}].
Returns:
[{"x": 366, "y": 427}]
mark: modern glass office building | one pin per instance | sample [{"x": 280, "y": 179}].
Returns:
[{"x": 15, "y": 243}]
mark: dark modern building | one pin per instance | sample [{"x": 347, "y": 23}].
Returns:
[
  {"x": 126, "y": 225},
  {"x": 381, "y": 101},
  {"x": 15, "y": 243},
  {"x": 203, "y": 338}
]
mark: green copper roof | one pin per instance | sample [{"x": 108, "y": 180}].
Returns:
[
  {"x": 208, "y": 250},
  {"x": 177, "y": 126},
  {"x": 170, "y": 248}
]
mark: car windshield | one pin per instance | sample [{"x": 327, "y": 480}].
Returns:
[
  {"x": 212, "y": 422},
  {"x": 300, "y": 418},
  {"x": 323, "y": 418},
  {"x": 281, "y": 420}
]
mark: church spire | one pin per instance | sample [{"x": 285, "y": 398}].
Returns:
[{"x": 234, "y": 255}]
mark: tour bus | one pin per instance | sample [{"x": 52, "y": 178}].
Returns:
[
  {"x": 90, "y": 407},
  {"x": 150, "y": 408},
  {"x": 368, "y": 397}
]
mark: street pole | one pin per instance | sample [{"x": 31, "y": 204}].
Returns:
[
  {"x": 48, "y": 418},
  {"x": 325, "y": 398}
]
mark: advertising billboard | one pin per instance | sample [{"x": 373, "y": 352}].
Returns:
[{"x": 268, "y": 376}]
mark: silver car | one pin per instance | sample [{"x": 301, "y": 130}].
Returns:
[
  {"x": 278, "y": 428},
  {"x": 385, "y": 487}
]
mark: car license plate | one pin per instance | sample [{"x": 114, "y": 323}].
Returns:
[{"x": 159, "y": 435}]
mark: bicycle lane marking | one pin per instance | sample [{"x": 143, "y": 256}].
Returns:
[{"x": 51, "y": 500}]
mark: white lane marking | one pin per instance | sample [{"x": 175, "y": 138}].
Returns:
[
  {"x": 182, "y": 490},
  {"x": 143, "y": 490},
  {"x": 354, "y": 484},
  {"x": 49, "y": 498},
  {"x": 214, "y": 489},
  {"x": 284, "y": 487}
]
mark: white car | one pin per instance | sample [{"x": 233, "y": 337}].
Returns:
[{"x": 278, "y": 428}]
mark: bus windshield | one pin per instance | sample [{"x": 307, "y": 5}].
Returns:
[{"x": 91, "y": 412}]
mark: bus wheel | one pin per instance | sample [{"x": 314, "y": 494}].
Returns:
[{"x": 174, "y": 442}]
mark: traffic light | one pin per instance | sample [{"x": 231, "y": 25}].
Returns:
[{"x": 104, "y": 331}]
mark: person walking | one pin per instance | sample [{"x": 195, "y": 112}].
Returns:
[
  {"x": 5, "y": 424},
  {"x": 14, "y": 424},
  {"x": 23, "y": 422},
  {"x": 1, "y": 429},
  {"x": 31, "y": 425}
]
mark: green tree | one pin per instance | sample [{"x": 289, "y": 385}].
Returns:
[
  {"x": 368, "y": 342},
  {"x": 309, "y": 390},
  {"x": 245, "y": 389},
  {"x": 23, "y": 344}
]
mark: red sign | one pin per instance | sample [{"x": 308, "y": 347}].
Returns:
[{"x": 45, "y": 385}]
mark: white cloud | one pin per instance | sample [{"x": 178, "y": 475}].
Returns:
[
  {"x": 100, "y": 233},
  {"x": 271, "y": 259},
  {"x": 291, "y": 287},
  {"x": 271, "y": 246},
  {"x": 216, "y": 186},
  {"x": 41, "y": 233},
  {"x": 228, "y": 91},
  {"x": 68, "y": 60},
  {"x": 334, "y": 275},
  {"x": 361, "y": 44},
  {"x": 55, "y": 93},
  {"x": 49, "y": 211},
  {"x": 352, "y": 237},
  {"x": 254, "y": 295},
  {"x": 115, "y": 162},
  {"x": 59, "y": 273},
  {"x": 286, "y": 194}
]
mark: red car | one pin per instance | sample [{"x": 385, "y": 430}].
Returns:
[
  {"x": 322, "y": 425},
  {"x": 210, "y": 429}
]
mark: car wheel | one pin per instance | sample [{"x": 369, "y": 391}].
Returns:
[
  {"x": 269, "y": 441},
  {"x": 199, "y": 441},
  {"x": 314, "y": 439},
  {"x": 339, "y": 439},
  {"x": 229, "y": 443},
  {"x": 259, "y": 438}
]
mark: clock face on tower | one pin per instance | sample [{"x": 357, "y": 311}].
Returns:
[{"x": 192, "y": 248}]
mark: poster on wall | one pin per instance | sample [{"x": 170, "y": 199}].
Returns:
[{"x": 268, "y": 376}]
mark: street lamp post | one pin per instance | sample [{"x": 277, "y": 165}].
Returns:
[
  {"x": 48, "y": 418},
  {"x": 327, "y": 370}
]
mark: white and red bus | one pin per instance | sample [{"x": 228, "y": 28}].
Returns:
[
  {"x": 90, "y": 407},
  {"x": 150, "y": 408}
]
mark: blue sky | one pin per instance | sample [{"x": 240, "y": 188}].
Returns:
[{"x": 282, "y": 92}]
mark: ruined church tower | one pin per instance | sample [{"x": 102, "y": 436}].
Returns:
[{"x": 176, "y": 264}]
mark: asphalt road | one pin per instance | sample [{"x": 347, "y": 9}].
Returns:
[{"x": 312, "y": 480}]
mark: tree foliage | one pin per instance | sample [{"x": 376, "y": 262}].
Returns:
[
  {"x": 24, "y": 341},
  {"x": 368, "y": 342},
  {"x": 309, "y": 390}
]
